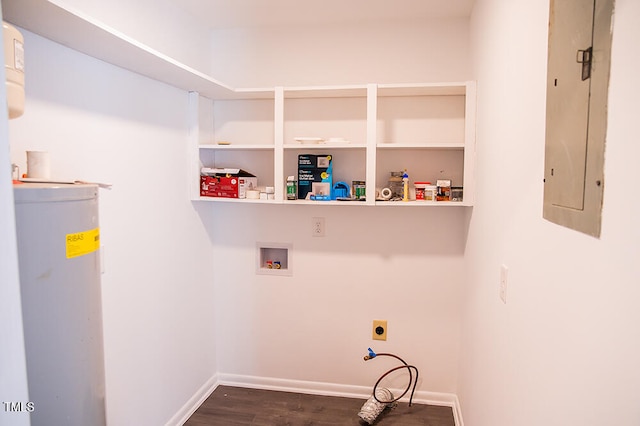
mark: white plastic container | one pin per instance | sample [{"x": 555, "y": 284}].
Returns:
[
  {"x": 38, "y": 165},
  {"x": 425, "y": 191}
]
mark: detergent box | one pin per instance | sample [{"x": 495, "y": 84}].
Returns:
[
  {"x": 226, "y": 183},
  {"x": 315, "y": 176}
]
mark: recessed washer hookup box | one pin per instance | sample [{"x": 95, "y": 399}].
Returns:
[{"x": 315, "y": 175}]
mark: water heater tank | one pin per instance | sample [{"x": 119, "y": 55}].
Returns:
[{"x": 14, "y": 69}]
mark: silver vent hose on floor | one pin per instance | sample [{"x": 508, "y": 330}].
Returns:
[{"x": 383, "y": 398}]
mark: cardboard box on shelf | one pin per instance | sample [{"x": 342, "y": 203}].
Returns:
[
  {"x": 315, "y": 175},
  {"x": 443, "y": 190},
  {"x": 226, "y": 183}
]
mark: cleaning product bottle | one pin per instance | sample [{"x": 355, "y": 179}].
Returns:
[{"x": 405, "y": 188}]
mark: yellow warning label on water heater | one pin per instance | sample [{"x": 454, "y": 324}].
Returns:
[{"x": 82, "y": 243}]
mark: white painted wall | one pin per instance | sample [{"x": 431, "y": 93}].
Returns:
[
  {"x": 13, "y": 373},
  {"x": 402, "y": 265},
  {"x": 158, "y": 24},
  {"x": 564, "y": 350},
  {"x": 342, "y": 54},
  {"x": 101, "y": 123}
]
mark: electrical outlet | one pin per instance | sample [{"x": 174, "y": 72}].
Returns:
[
  {"x": 379, "y": 330},
  {"x": 503, "y": 283},
  {"x": 317, "y": 226}
]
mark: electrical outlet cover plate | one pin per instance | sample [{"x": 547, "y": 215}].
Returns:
[
  {"x": 317, "y": 226},
  {"x": 379, "y": 331},
  {"x": 504, "y": 272}
]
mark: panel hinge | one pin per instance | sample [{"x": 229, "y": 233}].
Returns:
[{"x": 584, "y": 57}]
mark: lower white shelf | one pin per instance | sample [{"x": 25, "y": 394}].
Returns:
[
  {"x": 419, "y": 204},
  {"x": 412, "y": 203}
]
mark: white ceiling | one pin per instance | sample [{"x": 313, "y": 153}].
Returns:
[{"x": 219, "y": 14}]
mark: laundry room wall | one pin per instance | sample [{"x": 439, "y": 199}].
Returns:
[
  {"x": 13, "y": 387},
  {"x": 160, "y": 25},
  {"x": 564, "y": 348},
  {"x": 358, "y": 53},
  {"x": 101, "y": 123},
  {"x": 311, "y": 330},
  {"x": 181, "y": 299}
]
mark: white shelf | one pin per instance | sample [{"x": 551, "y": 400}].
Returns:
[
  {"x": 325, "y": 146},
  {"x": 306, "y": 92},
  {"x": 327, "y": 203},
  {"x": 237, "y": 147},
  {"x": 436, "y": 120},
  {"x": 424, "y": 89},
  {"x": 237, "y": 200},
  {"x": 427, "y": 145},
  {"x": 375, "y": 113},
  {"x": 421, "y": 204},
  {"x": 85, "y": 34}
]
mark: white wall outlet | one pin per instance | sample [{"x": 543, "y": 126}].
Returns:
[
  {"x": 317, "y": 226},
  {"x": 503, "y": 283}
]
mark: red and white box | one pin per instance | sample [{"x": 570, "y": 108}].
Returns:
[{"x": 226, "y": 183}]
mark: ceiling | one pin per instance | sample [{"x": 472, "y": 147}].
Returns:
[{"x": 224, "y": 14}]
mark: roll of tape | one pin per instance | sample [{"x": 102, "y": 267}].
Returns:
[
  {"x": 38, "y": 165},
  {"x": 253, "y": 194},
  {"x": 385, "y": 194}
]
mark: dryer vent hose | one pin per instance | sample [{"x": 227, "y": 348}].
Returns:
[{"x": 383, "y": 398}]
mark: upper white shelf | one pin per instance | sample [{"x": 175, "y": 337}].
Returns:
[
  {"x": 83, "y": 33},
  {"x": 357, "y": 91},
  {"x": 324, "y": 146},
  {"x": 426, "y": 145},
  {"x": 237, "y": 147},
  {"x": 72, "y": 28},
  {"x": 425, "y": 89}
]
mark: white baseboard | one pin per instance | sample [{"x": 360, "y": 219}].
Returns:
[
  {"x": 457, "y": 412},
  {"x": 194, "y": 402},
  {"x": 301, "y": 386}
]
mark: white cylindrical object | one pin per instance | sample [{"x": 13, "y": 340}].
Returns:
[
  {"x": 38, "y": 165},
  {"x": 386, "y": 193},
  {"x": 253, "y": 194},
  {"x": 14, "y": 69},
  {"x": 61, "y": 302}
]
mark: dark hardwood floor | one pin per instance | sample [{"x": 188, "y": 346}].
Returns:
[{"x": 233, "y": 406}]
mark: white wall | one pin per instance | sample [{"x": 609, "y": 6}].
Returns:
[
  {"x": 158, "y": 24},
  {"x": 342, "y": 54},
  {"x": 101, "y": 123},
  {"x": 564, "y": 350},
  {"x": 13, "y": 373},
  {"x": 402, "y": 265}
]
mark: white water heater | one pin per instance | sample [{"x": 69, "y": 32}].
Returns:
[
  {"x": 14, "y": 69},
  {"x": 58, "y": 256}
]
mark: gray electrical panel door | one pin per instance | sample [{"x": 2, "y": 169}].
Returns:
[{"x": 577, "y": 86}]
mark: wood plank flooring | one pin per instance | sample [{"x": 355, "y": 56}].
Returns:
[{"x": 233, "y": 406}]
